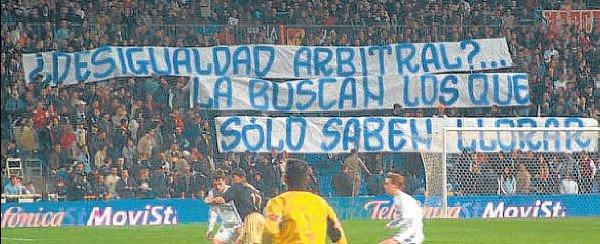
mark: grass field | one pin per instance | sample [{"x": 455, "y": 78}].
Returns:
[{"x": 569, "y": 230}]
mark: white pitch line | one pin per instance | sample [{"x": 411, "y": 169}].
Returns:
[{"x": 17, "y": 239}]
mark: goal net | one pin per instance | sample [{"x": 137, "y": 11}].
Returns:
[{"x": 511, "y": 161}]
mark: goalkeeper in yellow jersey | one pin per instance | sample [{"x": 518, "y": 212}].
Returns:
[{"x": 298, "y": 216}]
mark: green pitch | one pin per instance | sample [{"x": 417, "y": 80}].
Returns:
[{"x": 569, "y": 230}]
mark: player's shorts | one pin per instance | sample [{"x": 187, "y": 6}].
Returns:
[
  {"x": 226, "y": 235},
  {"x": 253, "y": 228},
  {"x": 409, "y": 237}
]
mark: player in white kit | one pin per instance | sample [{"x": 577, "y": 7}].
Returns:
[
  {"x": 230, "y": 219},
  {"x": 408, "y": 214}
]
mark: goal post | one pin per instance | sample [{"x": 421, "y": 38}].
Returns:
[{"x": 510, "y": 161}]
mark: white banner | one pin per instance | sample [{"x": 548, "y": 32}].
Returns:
[
  {"x": 266, "y": 61},
  {"x": 397, "y": 134},
  {"x": 356, "y": 93}
]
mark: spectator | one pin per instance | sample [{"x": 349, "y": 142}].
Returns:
[
  {"x": 172, "y": 187},
  {"x": 14, "y": 187},
  {"x": 79, "y": 185},
  {"x": 523, "y": 180},
  {"x": 61, "y": 189},
  {"x": 26, "y": 137},
  {"x": 507, "y": 182},
  {"x": 267, "y": 170},
  {"x": 568, "y": 186},
  {"x": 375, "y": 182},
  {"x": 111, "y": 184},
  {"x": 126, "y": 185},
  {"x": 30, "y": 188},
  {"x": 355, "y": 165},
  {"x": 129, "y": 153},
  {"x": 313, "y": 181},
  {"x": 258, "y": 182},
  {"x": 342, "y": 182},
  {"x": 101, "y": 156},
  {"x": 100, "y": 189},
  {"x": 588, "y": 172},
  {"x": 145, "y": 191},
  {"x": 147, "y": 143},
  {"x": 540, "y": 177}
]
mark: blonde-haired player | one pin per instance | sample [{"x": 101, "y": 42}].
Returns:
[{"x": 408, "y": 216}]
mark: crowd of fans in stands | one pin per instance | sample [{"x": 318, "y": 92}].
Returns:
[{"x": 137, "y": 137}]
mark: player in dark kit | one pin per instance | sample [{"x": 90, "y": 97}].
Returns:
[{"x": 248, "y": 202}]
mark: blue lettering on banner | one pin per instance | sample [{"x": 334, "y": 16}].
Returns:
[
  {"x": 138, "y": 66},
  {"x": 473, "y": 47},
  {"x": 322, "y": 103},
  {"x": 381, "y": 52},
  {"x": 526, "y": 142},
  {"x": 374, "y": 92},
  {"x": 521, "y": 86},
  {"x": 374, "y": 134},
  {"x": 551, "y": 122},
  {"x": 482, "y": 97},
  {"x": 221, "y": 59},
  {"x": 269, "y": 61},
  {"x": 269, "y": 137},
  {"x": 97, "y": 61},
  {"x": 416, "y": 138},
  {"x": 81, "y": 66},
  {"x": 260, "y": 94},
  {"x": 344, "y": 57},
  {"x": 241, "y": 59},
  {"x": 156, "y": 66},
  {"x": 445, "y": 89},
  {"x": 228, "y": 133},
  {"x": 451, "y": 66},
  {"x": 406, "y": 61},
  {"x": 407, "y": 100},
  {"x": 497, "y": 89},
  {"x": 302, "y": 59},
  {"x": 321, "y": 64},
  {"x": 425, "y": 79},
  {"x": 504, "y": 122},
  {"x": 223, "y": 88},
  {"x": 301, "y": 123},
  {"x": 429, "y": 56},
  {"x": 576, "y": 136},
  {"x": 305, "y": 92},
  {"x": 331, "y": 130},
  {"x": 185, "y": 61},
  {"x": 345, "y": 95},
  {"x": 198, "y": 63},
  {"x": 369, "y": 95},
  {"x": 396, "y": 134},
  {"x": 351, "y": 134},
  {"x": 289, "y": 98},
  {"x": 260, "y": 69},
  {"x": 258, "y": 135},
  {"x": 483, "y": 140},
  {"x": 122, "y": 61},
  {"x": 56, "y": 74}
]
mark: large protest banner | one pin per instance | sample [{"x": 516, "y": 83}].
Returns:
[
  {"x": 266, "y": 61},
  {"x": 355, "y": 93},
  {"x": 397, "y": 134}
]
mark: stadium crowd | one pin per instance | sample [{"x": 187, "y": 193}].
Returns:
[{"x": 137, "y": 137}]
